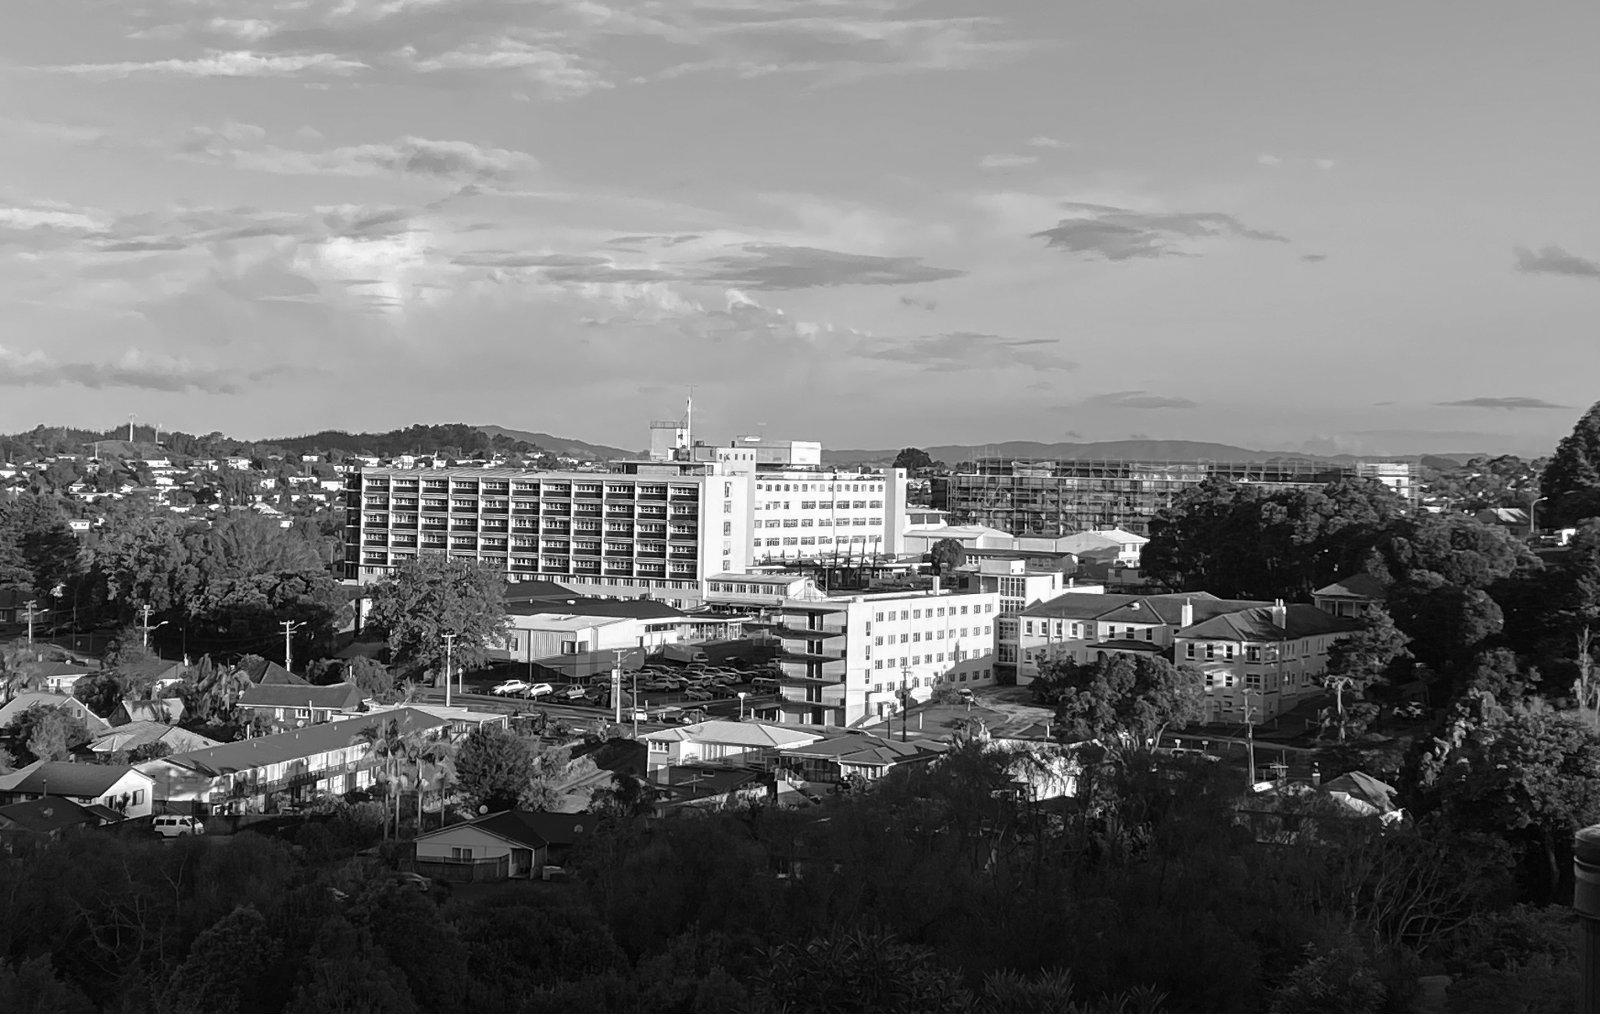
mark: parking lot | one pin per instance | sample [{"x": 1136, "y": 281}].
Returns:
[{"x": 661, "y": 691}]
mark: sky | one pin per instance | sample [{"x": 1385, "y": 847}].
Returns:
[{"x": 1358, "y": 227}]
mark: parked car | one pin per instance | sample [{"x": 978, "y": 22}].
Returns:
[
  {"x": 572, "y": 692},
  {"x": 695, "y": 694},
  {"x": 539, "y": 690},
  {"x": 509, "y": 688},
  {"x": 176, "y": 826}
]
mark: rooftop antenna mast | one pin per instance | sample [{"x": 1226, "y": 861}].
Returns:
[
  {"x": 688, "y": 420},
  {"x": 130, "y": 427}
]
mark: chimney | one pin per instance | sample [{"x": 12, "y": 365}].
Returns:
[
  {"x": 1280, "y": 615},
  {"x": 936, "y": 584},
  {"x": 1316, "y": 774},
  {"x": 1186, "y": 618}
]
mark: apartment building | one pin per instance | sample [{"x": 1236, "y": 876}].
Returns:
[
  {"x": 1082, "y": 627},
  {"x": 1056, "y": 498},
  {"x": 1271, "y": 656},
  {"x": 655, "y": 529},
  {"x": 812, "y": 515},
  {"x": 846, "y": 659}
]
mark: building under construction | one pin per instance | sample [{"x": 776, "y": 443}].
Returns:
[{"x": 1055, "y": 498}]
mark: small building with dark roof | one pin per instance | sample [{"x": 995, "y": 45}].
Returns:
[
  {"x": 514, "y": 844},
  {"x": 44, "y": 819},
  {"x": 290, "y": 706},
  {"x": 120, "y": 787},
  {"x": 1352, "y": 597}
]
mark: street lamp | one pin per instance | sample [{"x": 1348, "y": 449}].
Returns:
[
  {"x": 148, "y": 630},
  {"x": 1531, "y": 509},
  {"x": 742, "y": 696}
]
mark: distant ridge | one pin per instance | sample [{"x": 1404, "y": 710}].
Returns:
[
  {"x": 565, "y": 446},
  {"x": 1154, "y": 450}
]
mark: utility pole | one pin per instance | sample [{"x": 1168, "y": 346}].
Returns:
[
  {"x": 905, "y": 701},
  {"x": 449, "y": 656},
  {"x": 145, "y": 626},
  {"x": 635, "y": 706},
  {"x": 130, "y": 427},
  {"x": 289, "y": 628},
  {"x": 31, "y": 604},
  {"x": 1250, "y": 743},
  {"x": 616, "y": 685}
]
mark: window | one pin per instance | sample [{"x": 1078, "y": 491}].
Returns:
[
  {"x": 464, "y": 855},
  {"x": 1228, "y": 652},
  {"x": 138, "y": 797},
  {"x": 877, "y": 663},
  {"x": 1188, "y": 650},
  {"x": 1211, "y": 652}
]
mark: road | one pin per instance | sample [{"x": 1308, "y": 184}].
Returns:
[{"x": 585, "y": 713}]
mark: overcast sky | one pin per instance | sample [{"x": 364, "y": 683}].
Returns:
[{"x": 1365, "y": 226}]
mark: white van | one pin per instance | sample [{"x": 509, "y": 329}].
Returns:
[{"x": 175, "y": 826}]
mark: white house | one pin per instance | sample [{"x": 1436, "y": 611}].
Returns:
[
  {"x": 124, "y": 789},
  {"x": 543, "y": 629},
  {"x": 1262, "y": 661},
  {"x": 723, "y": 742}
]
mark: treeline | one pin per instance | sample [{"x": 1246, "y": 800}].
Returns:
[
  {"x": 456, "y": 440},
  {"x": 930, "y": 893}
]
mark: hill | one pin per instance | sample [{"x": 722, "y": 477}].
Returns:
[{"x": 561, "y": 445}]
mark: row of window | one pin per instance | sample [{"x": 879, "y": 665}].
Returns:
[
  {"x": 820, "y": 487},
  {"x": 815, "y": 540},
  {"x": 977, "y": 676},
  {"x": 932, "y": 659},
  {"x": 818, "y": 522},
  {"x": 932, "y": 635},
  {"x": 934, "y": 612},
  {"x": 825, "y": 505}
]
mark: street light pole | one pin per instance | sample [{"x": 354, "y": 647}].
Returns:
[
  {"x": 905, "y": 701},
  {"x": 1250, "y": 742},
  {"x": 1532, "y": 507},
  {"x": 449, "y": 650}
]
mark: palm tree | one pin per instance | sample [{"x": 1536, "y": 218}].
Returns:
[
  {"x": 438, "y": 753},
  {"x": 388, "y": 745}
]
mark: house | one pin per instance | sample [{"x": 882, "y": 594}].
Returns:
[
  {"x": 756, "y": 744},
  {"x": 133, "y": 735},
  {"x": 61, "y": 677},
  {"x": 921, "y": 540},
  {"x": 1085, "y": 627},
  {"x": 284, "y": 705},
  {"x": 122, "y": 788},
  {"x": 837, "y": 759},
  {"x": 1262, "y": 661},
  {"x": 21, "y": 703},
  {"x": 264, "y": 672},
  {"x": 1352, "y": 597},
  {"x": 500, "y": 846},
  {"x": 334, "y": 757},
  {"x": 160, "y": 673},
  {"x": 167, "y": 711},
  {"x": 1514, "y": 520}
]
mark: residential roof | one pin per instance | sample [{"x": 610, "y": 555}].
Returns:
[
  {"x": 866, "y": 749},
  {"x": 137, "y": 734},
  {"x": 65, "y": 778},
  {"x": 43, "y": 816},
  {"x": 48, "y": 669},
  {"x": 778, "y": 580},
  {"x": 1363, "y": 788},
  {"x": 559, "y": 828},
  {"x": 1356, "y": 586},
  {"x": 152, "y": 668},
  {"x": 532, "y": 591},
  {"x": 261, "y": 671},
  {"x": 167, "y": 711},
  {"x": 254, "y": 753},
  {"x": 103, "y": 813},
  {"x": 566, "y": 623},
  {"x": 1300, "y": 620},
  {"x": 1168, "y": 609},
  {"x": 334, "y": 696},
  {"x": 750, "y": 734},
  {"x": 1088, "y": 605},
  {"x": 518, "y": 827},
  {"x": 634, "y": 609},
  {"x": 22, "y": 702}
]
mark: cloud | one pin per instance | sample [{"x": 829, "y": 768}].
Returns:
[
  {"x": 1553, "y": 260},
  {"x": 1268, "y": 160},
  {"x": 1510, "y": 404},
  {"x": 919, "y": 304},
  {"x": 1119, "y": 234},
  {"x": 1042, "y": 141},
  {"x": 133, "y": 369},
  {"x": 770, "y": 266},
  {"x": 1313, "y": 258},
  {"x": 456, "y": 162},
  {"x": 557, "y": 73},
  {"x": 1134, "y": 399},
  {"x": 1322, "y": 163},
  {"x": 221, "y": 63},
  {"x": 965, "y": 350},
  {"x": 1004, "y": 161}
]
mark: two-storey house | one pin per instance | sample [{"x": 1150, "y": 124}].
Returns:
[{"x": 1265, "y": 659}]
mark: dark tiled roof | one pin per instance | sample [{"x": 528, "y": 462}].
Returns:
[
  {"x": 64, "y": 778},
  {"x": 336, "y": 696},
  {"x": 528, "y": 829},
  {"x": 1356, "y": 586},
  {"x": 248, "y": 754},
  {"x": 1300, "y": 620},
  {"x": 533, "y": 591},
  {"x": 43, "y": 816},
  {"x": 636, "y": 609},
  {"x": 262, "y": 671},
  {"x": 1168, "y": 609}
]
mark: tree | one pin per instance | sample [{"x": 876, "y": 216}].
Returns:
[
  {"x": 1447, "y": 623},
  {"x": 1337, "y": 980},
  {"x": 434, "y": 595},
  {"x": 865, "y": 971},
  {"x": 373, "y": 677},
  {"x": 350, "y": 974},
  {"x": 912, "y": 458},
  {"x": 1571, "y": 480},
  {"x": 38, "y": 552},
  {"x": 390, "y": 746},
  {"x": 32, "y": 987},
  {"x": 1124, "y": 698},
  {"x": 227, "y": 970},
  {"x": 1524, "y": 771},
  {"x": 946, "y": 555},
  {"x": 49, "y": 733},
  {"x": 1357, "y": 660},
  {"x": 494, "y": 768}
]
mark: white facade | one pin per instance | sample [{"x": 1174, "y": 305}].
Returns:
[
  {"x": 760, "y": 591},
  {"x": 546, "y": 634},
  {"x": 805, "y": 515},
  {"x": 846, "y": 660},
  {"x": 653, "y": 530},
  {"x": 746, "y": 454}
]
